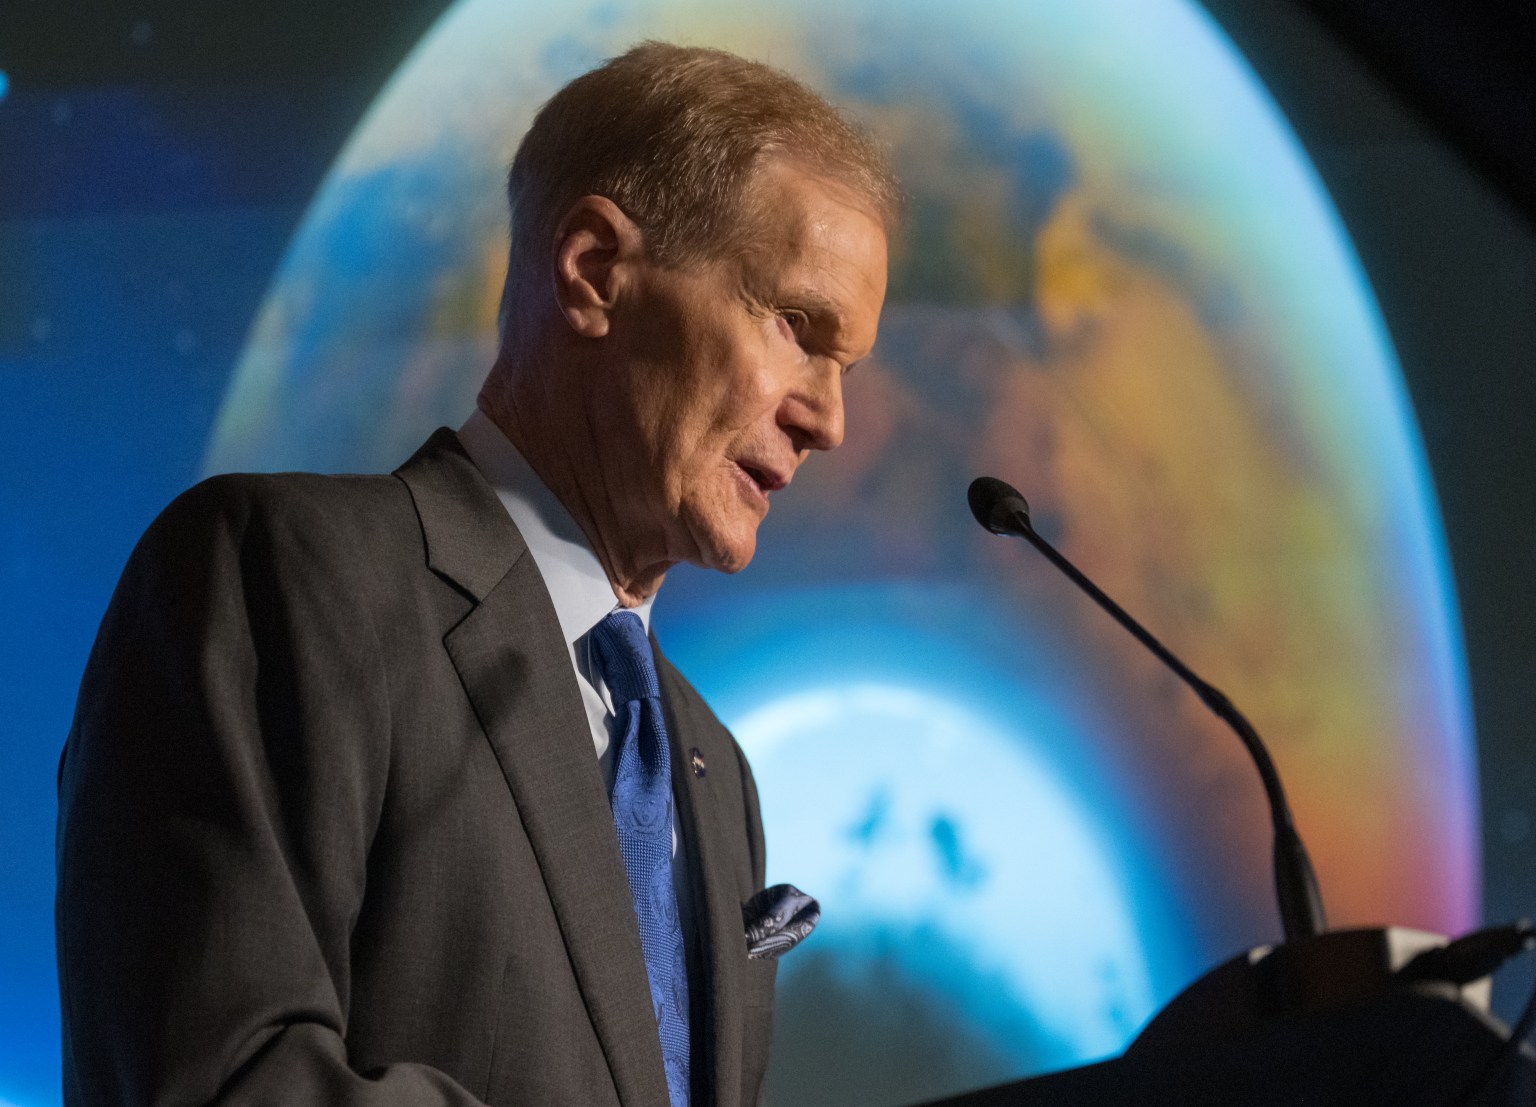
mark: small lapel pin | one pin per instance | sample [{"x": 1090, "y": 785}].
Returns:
[{"x": 696, "y": 759}]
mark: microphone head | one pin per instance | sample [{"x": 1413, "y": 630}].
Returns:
[{"x": 998, "y": 506}]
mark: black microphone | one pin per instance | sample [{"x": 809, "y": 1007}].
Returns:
[{"x": 1000, "y": 508}]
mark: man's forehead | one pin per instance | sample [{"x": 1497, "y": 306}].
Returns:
[
  {"x": 810, "y": 220},
  {"x": 796, "y": 199}
]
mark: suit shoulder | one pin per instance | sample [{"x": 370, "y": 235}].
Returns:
[
  {"x": 310, "y": 497},
  {"x": 312, "y": 510}
]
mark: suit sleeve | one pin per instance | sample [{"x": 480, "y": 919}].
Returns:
[{"x": 217, "y": 796}]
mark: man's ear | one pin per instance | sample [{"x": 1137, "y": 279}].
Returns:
[{"x": 596, "y": 249}]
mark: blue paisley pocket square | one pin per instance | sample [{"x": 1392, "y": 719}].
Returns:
[{"x": 777, "y": 919}]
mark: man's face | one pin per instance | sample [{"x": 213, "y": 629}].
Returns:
[{"x": 730, "y": 372}]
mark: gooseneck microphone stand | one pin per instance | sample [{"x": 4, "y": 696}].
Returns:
[{"x": 1002, "y": 510}]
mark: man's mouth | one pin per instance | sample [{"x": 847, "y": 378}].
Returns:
[{"x": 767, "y": 480}]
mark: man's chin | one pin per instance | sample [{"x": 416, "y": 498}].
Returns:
[
  {"x": 727, "y": 553},
  {"x": 733, "y": 560}
]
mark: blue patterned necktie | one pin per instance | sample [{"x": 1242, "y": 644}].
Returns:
[{"x": 642, "y": 814}]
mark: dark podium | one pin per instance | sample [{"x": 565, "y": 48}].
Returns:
[{"x": 1329, "y": 1021}]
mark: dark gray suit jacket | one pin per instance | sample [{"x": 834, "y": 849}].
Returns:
[{"x": 331, "y": 830}]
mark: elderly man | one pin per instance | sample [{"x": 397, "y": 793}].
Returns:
[{"x": 332, "y": 827}]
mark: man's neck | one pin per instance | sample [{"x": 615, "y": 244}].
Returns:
[{"x": 559, "y": 450}]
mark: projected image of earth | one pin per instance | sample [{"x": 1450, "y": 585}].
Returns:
[{"x": 1121, "y": 289}]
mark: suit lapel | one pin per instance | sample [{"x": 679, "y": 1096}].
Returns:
[
  {"x": 512, "y": 660},
  {"x": 717, "y": 897}
]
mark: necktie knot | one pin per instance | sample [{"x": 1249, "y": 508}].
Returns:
[{"x": 624, "y": 657}]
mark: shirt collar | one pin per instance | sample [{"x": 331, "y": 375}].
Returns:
[{"x": 577, "y": 584}]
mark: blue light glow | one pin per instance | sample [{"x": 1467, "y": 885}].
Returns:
[{"x": 924, "y": 817}]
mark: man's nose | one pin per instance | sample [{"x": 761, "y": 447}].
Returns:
[{"x": 813, "y": 413}]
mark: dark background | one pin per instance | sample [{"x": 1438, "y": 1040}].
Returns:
[{"x": 155, "y": 157}]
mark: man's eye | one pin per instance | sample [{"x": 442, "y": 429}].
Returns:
[{"x": 795, "y": 319}]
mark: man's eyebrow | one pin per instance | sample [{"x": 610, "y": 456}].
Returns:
[{"x": 817, "y": 304}]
